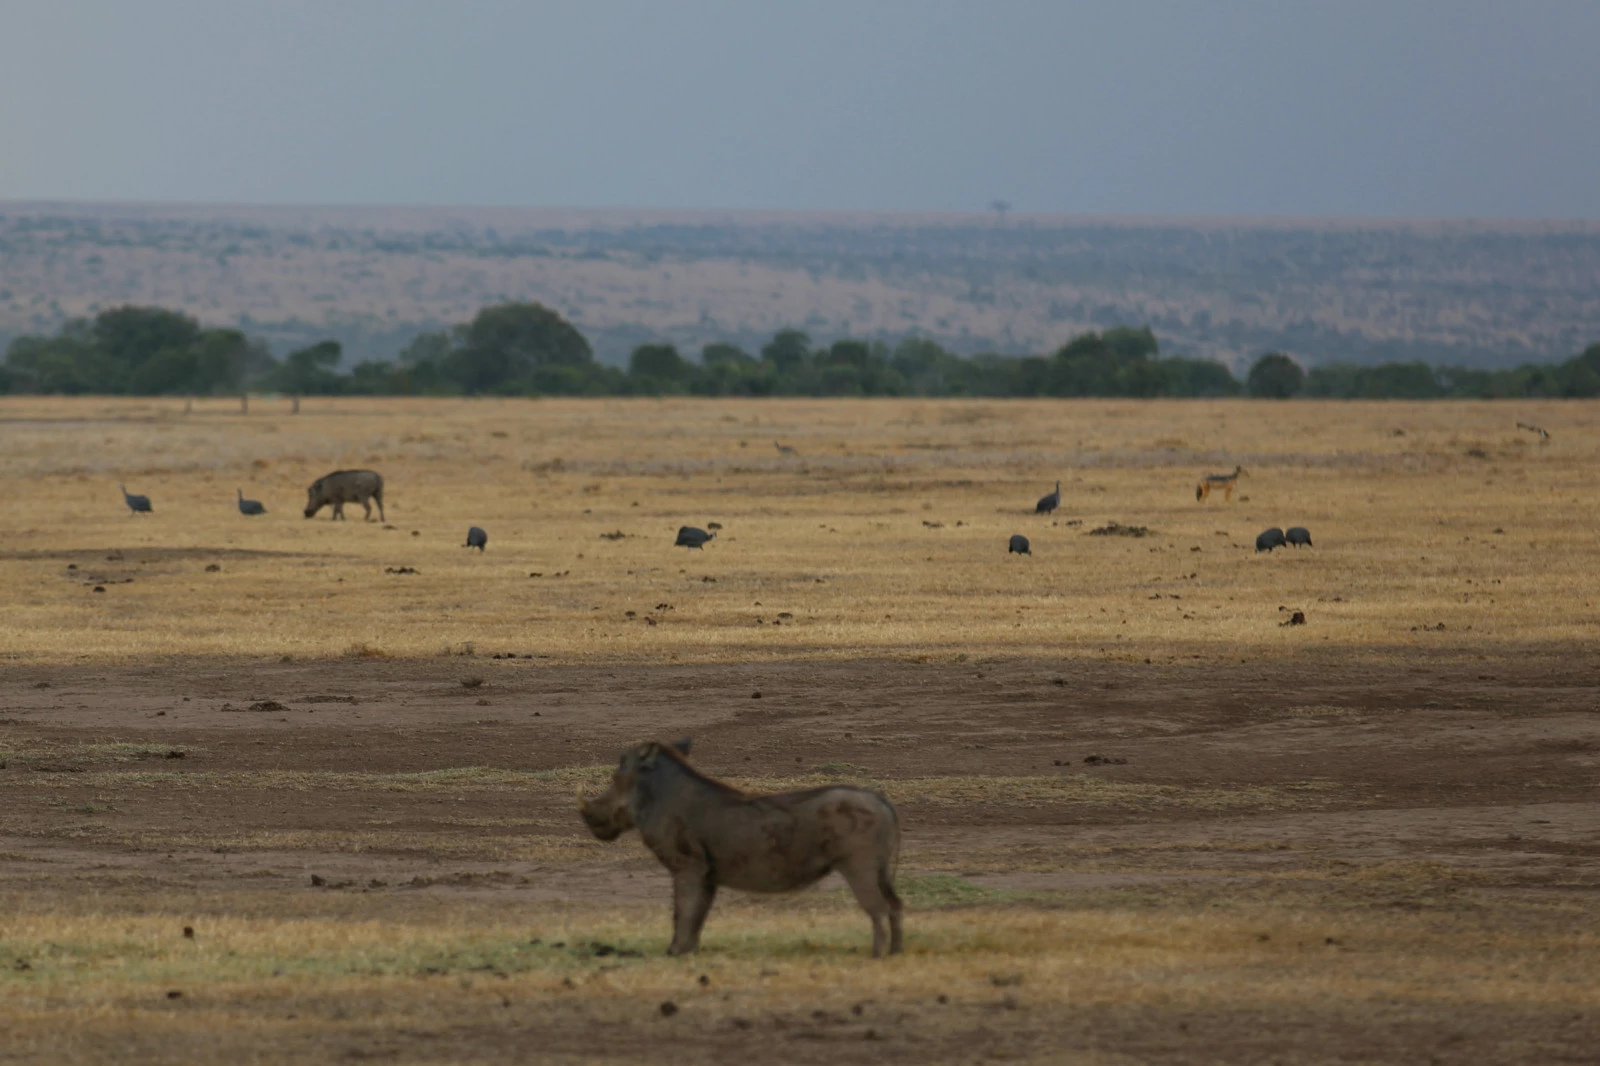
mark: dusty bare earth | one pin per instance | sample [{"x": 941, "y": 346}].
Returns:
[{"x": 1393, "y": 862}]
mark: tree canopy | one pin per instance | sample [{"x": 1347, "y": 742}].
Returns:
[
  {"x": 527, "y": 349},
  {"x": 1275, "y": 377},
  {"x": 139, "y": 350}
]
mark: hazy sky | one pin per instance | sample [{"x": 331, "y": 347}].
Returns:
[{"x": 1487, "y": 108}]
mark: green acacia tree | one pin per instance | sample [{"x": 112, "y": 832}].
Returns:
[
  {"x": 505, "y": 347},
  {"x": 312, "y": 371},
  {"x": 789, "y": 352},
  {"x": 656, "y": 369},
  {"x": 131, "y": 336},
  {"x": 1275, "y": 377}
]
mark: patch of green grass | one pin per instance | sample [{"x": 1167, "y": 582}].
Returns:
[{"x": 948, "y": 890}]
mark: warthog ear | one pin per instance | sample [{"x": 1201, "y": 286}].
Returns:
[{"x": 682, "y": 746}]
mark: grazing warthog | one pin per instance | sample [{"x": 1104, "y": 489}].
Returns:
[
  {"x": 709, "y": 834},
  {"x": 346, "y": 486}
]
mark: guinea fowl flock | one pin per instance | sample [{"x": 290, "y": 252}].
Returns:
[
  {"x": 694, "y": 537},
  {"x": 1297, "y": 536}
]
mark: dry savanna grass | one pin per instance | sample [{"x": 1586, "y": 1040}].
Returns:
[
  {"x": 884, "y": 533},
  {"x": 278, "y": 790},
  {"x": 247, "y": 979}
]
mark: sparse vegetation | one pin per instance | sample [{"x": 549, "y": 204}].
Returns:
[
  {"x": 1443, "y": 293},
  {"x": 576, "y": 468}
]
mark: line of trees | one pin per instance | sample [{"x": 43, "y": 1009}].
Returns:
[{"x": 526, "y": 349}]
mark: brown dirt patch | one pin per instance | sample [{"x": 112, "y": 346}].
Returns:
[{"x": 1375, "y": 824}]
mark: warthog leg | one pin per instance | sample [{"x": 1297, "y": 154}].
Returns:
[
  {"x": 876, "y": 894},
  {"x": 896, "y": 910},
  {"x": 338, "y": 510},
  {"x": 694, "y": 889}
]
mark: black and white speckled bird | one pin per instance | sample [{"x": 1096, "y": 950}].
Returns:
[
  {"x": 692, "y": 537},
  {"x": 1048, "y": 503},
  {"x": 137, "y": 504},
  {"x": 1269, "y": 539}
]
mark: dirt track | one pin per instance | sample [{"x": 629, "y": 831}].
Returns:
[{"x": 1300, "y": 777}]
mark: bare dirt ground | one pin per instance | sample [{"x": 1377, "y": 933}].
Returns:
[{"x": 1322, "y": 816}]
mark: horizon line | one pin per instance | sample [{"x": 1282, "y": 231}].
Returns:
[{"x": 1010, "y": 218}]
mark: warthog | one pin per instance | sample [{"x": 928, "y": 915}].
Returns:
[
  {"x": 346, "y": 486},
  {"x": 709, "y": 834}
]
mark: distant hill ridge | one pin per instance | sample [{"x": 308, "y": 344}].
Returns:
[{"x": 1459, "y": 292}]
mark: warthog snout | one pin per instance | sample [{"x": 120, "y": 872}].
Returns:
[{"x": 606, "y": 818}]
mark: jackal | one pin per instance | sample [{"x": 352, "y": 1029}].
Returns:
[{"x": 1225, "y": 482}]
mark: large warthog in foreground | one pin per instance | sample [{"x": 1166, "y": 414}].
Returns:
[
  {"x": 346, "y": 486},
  {"x": 709, "y": 834}
]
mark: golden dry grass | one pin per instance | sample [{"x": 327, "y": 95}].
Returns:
[
  {"x": 262, "y": 982},
  {"x": 883, "y": 537},
  {"x": 885, "y": 534}
]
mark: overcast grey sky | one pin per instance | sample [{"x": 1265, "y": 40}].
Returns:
[{"x": 1484, "y": 108}]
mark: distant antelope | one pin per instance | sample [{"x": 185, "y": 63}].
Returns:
[
  {"x": 784, "y": 449},
  {"x": 1544, "y": 434},
  {"x": 1225, "y": 482}
]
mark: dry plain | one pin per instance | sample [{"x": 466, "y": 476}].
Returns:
[{"x": 284, "y": 790}]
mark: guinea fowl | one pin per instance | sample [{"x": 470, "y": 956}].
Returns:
[
  {"x": 1269, "y": 539},
  {"x": 1048, "y": 503},
  {"x": 692, "y": 537},
  {"x": 137, "y": 504},
  {"x": 249, "y": 506}
]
